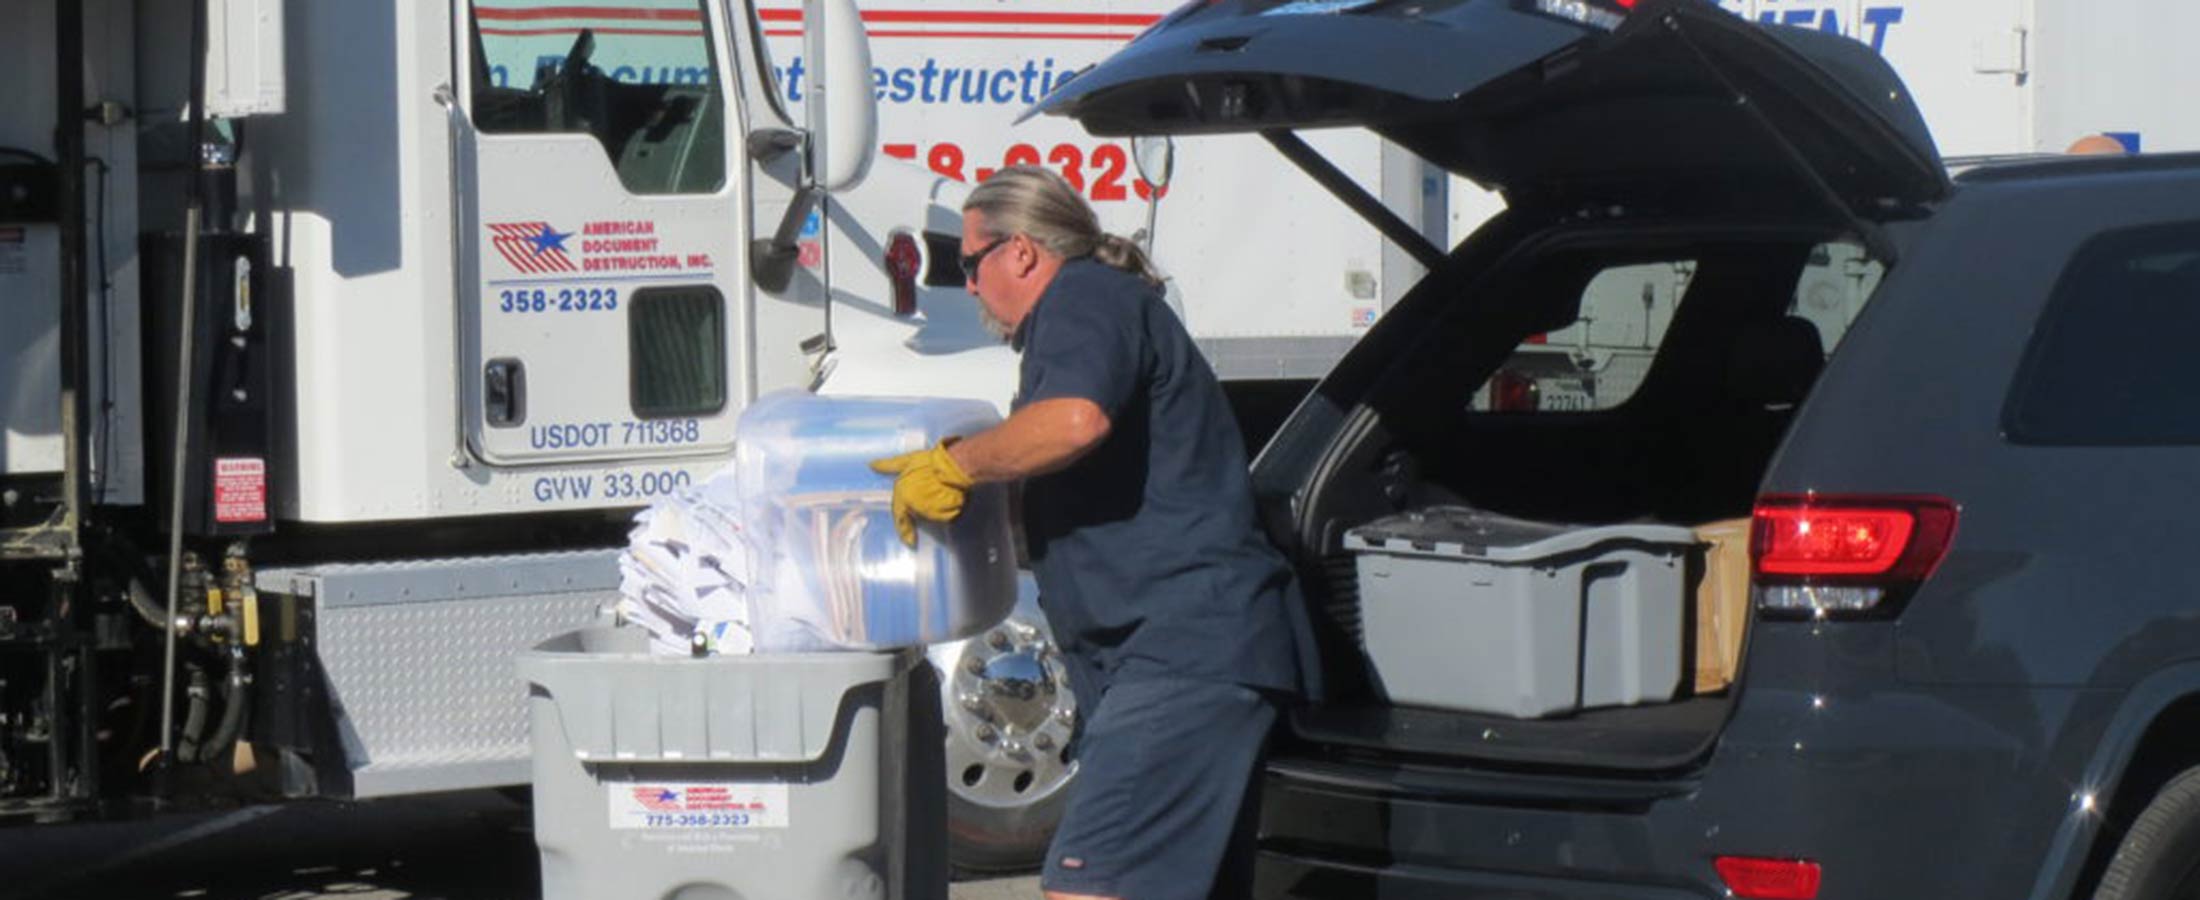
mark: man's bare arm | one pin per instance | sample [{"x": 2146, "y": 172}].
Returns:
[{"x": 1043, "y": 437}]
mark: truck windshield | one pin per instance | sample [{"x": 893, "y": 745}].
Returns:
[{"x": 637, "y": 75}]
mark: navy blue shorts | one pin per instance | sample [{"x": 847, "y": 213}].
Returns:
[{"x": 1166, "y": 803}]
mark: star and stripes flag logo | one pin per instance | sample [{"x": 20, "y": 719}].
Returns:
[
  {"x": 532, "y": 247},
  {"x": 693, "y": 798},
  {"x": 657, "y": 799}
]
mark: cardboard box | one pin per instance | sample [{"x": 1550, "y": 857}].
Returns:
[{"x": 1722, "y": 603}]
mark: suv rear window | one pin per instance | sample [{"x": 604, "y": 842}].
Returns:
[
  {"x": 2104, "y": 366},
  {"x": 1600, "y": 360}
]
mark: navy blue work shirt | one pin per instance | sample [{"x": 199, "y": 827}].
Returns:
[{"x": 1147, "y": 554}]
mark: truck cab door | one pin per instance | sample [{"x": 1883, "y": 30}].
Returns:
[{"x": 602, "y": 309}]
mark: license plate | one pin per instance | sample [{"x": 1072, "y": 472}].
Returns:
[{"x": 1555, "y": 395}]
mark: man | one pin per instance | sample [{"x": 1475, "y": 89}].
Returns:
[{"x": 1180, "y": 624}]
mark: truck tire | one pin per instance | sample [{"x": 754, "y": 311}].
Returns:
[
  {"x": 1009, "y": 715},
  {"x": 2159, "y": 858},
  {"x": 993, "y": 840}
]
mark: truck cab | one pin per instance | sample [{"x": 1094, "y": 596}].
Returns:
[{"x": 333, "y": 369}]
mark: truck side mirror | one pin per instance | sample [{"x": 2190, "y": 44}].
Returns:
[
  {"x": 1155, "y": 156},
  {"x": 841, "y": 114},
  {"x": 840, "y": 121}
]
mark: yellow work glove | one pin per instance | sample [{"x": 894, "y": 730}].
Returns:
[{"x": 927, "y": 484}]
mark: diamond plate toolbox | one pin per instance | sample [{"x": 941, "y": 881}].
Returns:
[{"x": 419, "y": 658}]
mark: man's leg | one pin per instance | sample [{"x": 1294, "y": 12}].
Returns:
[{"x": 1160, "y": 791}]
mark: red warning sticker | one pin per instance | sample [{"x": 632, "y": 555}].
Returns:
[{"x": 240, "y": 489}]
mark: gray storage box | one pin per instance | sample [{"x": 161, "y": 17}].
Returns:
[
  {"x": 749, "y": 777},
  {"x": 1463, "y": 609}
]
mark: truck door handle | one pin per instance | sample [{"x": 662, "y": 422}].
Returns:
[{"x": 504, "y": 393}]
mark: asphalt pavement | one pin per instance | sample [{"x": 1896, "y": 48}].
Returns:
[{"x": 468, "y": 846}]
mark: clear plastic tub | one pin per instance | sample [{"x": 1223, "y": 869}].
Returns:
[{"x": 802, "y": 469}]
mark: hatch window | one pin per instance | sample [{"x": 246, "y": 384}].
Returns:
[{"x": 1600, "y": 360}]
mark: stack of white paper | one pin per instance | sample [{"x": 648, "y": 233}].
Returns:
[{"x": 686, "y": 576}]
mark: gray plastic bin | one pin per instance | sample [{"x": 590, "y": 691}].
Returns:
[
  {"x": 1463, "y": 609},
  {"x": 789, "y": 777}
]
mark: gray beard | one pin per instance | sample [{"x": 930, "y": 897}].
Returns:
[{"x": 993, "y": 326}]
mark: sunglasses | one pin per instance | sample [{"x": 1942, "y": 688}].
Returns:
[{"x": 970, "y": 261}]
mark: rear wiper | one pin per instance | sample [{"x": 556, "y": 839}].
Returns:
[{"x": 1874, "y": 238}]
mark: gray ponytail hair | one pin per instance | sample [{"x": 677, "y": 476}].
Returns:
[{"x": 1036, "y": 202}]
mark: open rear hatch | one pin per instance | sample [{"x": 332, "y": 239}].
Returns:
[
  {"x": 1672, "y": 107},
  {"x": 1674, "y": 104}
]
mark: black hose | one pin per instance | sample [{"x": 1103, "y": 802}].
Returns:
[
  {"x": 194, "y": 717},
  {"x": 234, "y": 701},
  {"x": 141, "y": 599}
]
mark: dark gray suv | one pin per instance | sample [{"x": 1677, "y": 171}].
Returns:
[{"x": 1949, "y": 413}]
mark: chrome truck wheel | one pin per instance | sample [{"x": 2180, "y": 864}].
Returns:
[{"x": 1009, "y": 715}]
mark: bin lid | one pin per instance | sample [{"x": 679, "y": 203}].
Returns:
[{"x": 1468, "y": 533}]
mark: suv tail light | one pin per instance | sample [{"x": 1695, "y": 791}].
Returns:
[
  {"x": 1822, "y": 556},
  {"x": 903, "y": 262},
  {"x": 1511, "y": 391},
  {"x": 1751, "y": 878}
]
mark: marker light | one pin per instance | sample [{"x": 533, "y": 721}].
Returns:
[
  {"x": 903, "y": 262},
  {"x": 1752, "y": 878}
]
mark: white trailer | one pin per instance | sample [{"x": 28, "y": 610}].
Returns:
[{"x": 2003, "y": 77}]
